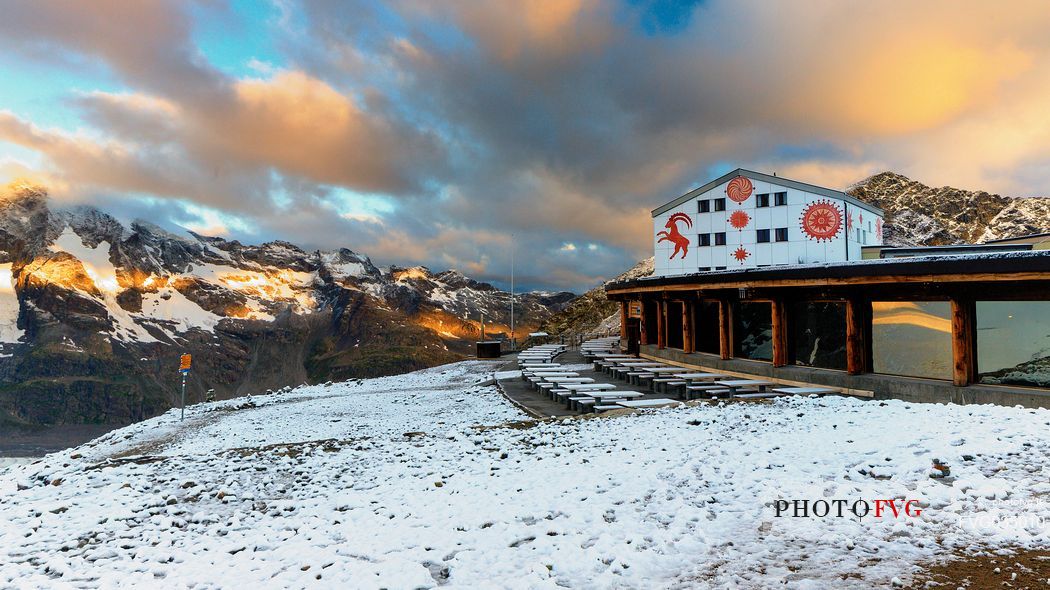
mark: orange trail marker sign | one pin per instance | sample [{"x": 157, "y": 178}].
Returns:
[{"x": 185, "y": 362}]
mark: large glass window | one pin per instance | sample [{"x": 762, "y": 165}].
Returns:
[
  {"x": 818, "y": 330},
  {"x": 912, "y": 338},
  {"x": 705, "y": 329},
  {"x": 1013, "y": 342},
  {"x": 753, "y": 330}
]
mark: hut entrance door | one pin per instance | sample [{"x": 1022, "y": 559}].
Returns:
[{"x": 634, "y": 336}]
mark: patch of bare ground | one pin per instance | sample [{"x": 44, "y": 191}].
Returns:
[
  {"x": 1008, "y": 568},
  {"x": 328, "y": 445}
]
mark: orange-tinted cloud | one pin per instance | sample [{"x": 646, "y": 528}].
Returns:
[{"x": 560, "y": 121}]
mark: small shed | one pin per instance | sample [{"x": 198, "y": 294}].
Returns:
[{"x": 489, "y": 349}]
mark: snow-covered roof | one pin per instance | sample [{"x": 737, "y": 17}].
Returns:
[
  {"x": 802, "y": 186},
  {"x": 977, "y": 262}
]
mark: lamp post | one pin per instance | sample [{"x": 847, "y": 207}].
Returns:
[{"x": 512, "y": 346}]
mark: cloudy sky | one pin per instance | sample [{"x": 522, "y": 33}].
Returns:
[{"x": 431, "y": 132}]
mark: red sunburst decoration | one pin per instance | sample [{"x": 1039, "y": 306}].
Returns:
[
  {"x": 822, "y": 220},
  {"x": 739, "y": 219},
  {"x": 741, "y": 254},
  {"x": 739, "y": 189},
  {"x": 878, "y": 228},
  {"x": 849, "y": 221}
]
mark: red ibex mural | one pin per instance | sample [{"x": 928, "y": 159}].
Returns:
[{"x": 681, "y": 243}]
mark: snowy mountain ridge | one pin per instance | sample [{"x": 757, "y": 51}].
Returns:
[
  {"x": 80, "y": 290},
  {"x": 920, "y": 215}
]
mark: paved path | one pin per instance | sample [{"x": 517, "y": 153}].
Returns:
[{"x": 519, "y": 391}]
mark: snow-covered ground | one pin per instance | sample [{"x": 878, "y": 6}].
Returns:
[{"x": 391, "y": 483}]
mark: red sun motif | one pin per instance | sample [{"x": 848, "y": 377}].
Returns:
[
  {"x": 849, "y": 221},
  {"x": 741, "y": 254},
  {"x": 739, "y": 219},
  {"x": 739, "y": 189},
  {"x": 821, "y": 221},
  {"x": 878, "y": 228}
]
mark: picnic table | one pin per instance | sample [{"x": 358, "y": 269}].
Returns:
[
  {"x": 648, "y": 403},
  {"x": 574, "y": 402},
  {"x": 589, "y": 386},
  {"x": 806, "y": 390},
  {"x": 570, "y": 380},
  {"x": 700, "y": 376},
  {"x": 735, "y": 384}
]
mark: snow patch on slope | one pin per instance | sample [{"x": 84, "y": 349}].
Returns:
[{"x": 9, "y": 330}]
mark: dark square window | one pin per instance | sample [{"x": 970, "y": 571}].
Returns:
[
  {"x": 720, "y": 204},
  {"x": 781, "y": 234},
  {"x": 720, "y": 268},
  {"x": 720, "y": 239},
  {"x": 763, "y": 199},
  {"x": 763, "y": 236},
  {"x": 705, "y": 206},
  {"x": 705, "y": 239},
  {"x": 780, "y": 199}
]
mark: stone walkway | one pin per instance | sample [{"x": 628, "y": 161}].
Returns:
[{"x": 519, "y": 390}]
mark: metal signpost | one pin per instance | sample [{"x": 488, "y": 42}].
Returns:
[{"x": 185, "y": 362}]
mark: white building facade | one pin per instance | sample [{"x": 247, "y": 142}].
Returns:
[{"x": 748, "y": 219}]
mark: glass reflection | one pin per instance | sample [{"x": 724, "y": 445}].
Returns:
[
  {"x": 753, "y": 331},
  {"x": 912, "y": 338},
  {"x": 819, "y": 334},
  {"x": 1013, "y": 342}
]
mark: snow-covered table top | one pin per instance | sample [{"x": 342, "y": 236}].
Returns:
[
  {"x": 648, "y": 403},
  {"x": 805, "y": 390}
]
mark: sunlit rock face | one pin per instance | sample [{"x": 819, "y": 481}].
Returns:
[
  {"x": 103, "y": 311},
  {"x": 920, "y": 215}
]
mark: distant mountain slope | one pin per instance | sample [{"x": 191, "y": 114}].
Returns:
[
  {"x": 592, "y": 312},
  {"x": 919, "y": 215},
  {"x": 93, "y": 314}
]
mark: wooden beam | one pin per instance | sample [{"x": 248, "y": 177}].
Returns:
[
  {"x": 623, "y": 320},
  {"x": 856, "y": 336},
  {"x": 780, "y": 333},
  {"x": 725, "y": 329},
  {"x": 661, "y": 324},
  {"x": 644, "y": 327},
  {"x": 831, "y": 282},
  {"x": 688, "y": 309},
  {"x": 964, "y": 316}
]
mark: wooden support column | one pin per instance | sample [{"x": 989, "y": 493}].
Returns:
[
  {"x": 644, "y": 328},
  {"x": 856, "y": 336},
  {"x": 780, "y": 333},
  {"x": 688, "y": 311},
  {"x": 623, "y": 320},
  {"x": 725, "y": 329},
  {"x": 661, "y": 324},
  {"x": 964, "y": 359}
]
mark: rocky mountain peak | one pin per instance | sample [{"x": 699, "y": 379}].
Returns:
[
  {"x": 917, "y": 214},
  {"x": 110, "y": 308}
]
